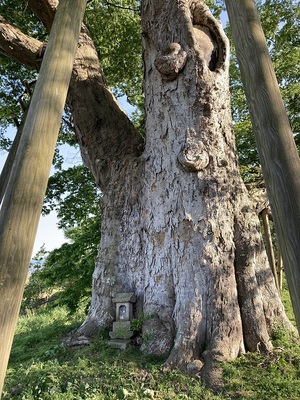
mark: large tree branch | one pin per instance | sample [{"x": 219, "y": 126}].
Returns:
[
  {"x": 44, "y": 10},
  {"x": 18, "y": 46},
  {"x": 105, "y": 134}
]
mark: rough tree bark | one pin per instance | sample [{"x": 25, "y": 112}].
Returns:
[{"x": 178, "y": 227}]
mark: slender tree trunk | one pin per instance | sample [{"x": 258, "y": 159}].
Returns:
[
  {"x": 25, "y": 193},
  {"x": 7, "y": 168},
  {"x": 276, "y": 146},
  {"x": 269, "y": 246}
]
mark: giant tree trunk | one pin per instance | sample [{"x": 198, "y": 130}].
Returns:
[{"x": 178, "y": 227}]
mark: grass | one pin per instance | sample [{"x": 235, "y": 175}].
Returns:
[
  {"x": 266, "y": 377},
  {"x": 41, "y": 368}
]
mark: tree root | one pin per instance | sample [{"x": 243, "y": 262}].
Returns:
[
  {"x": 81, "y": 336},
  {"x": 211, "y": 376},
  {"x": 210, "y": 372},
  {"x": 157, "y": 336}
]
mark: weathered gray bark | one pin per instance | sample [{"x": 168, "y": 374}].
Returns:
[
  {"x": 201, "y": 231},
  {"x": 178, "y": 227},
  {"x": 185, "y": 237}
]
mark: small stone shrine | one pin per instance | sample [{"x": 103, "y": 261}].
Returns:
[{"x": 121, "y": 334}]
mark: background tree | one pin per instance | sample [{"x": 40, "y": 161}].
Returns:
[{"x": 178, "y": 227}]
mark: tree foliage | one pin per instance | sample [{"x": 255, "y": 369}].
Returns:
[
  {"x": 73, "y": 194},
  {"x": 13, "y": 74},
  {"x": 118, "y": 44},
  {"x": 64, "y": 275}
]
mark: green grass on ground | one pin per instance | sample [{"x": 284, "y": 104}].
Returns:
[{"x": 41, "y": 368}]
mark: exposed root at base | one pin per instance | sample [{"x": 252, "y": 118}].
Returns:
[
  {"x": 75, "y": 340},
  {"x": 209, "y": 372},
  {"x": 212, "y": 376},
  {"x": 81, "y": 336}
]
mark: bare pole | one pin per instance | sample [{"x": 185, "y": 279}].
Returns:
[
  {"x": 7, "y": 168},
  {"x": 269, "y": 244},
  {"x": 274, "y": 138},
  {"x": 26, "y": 188}
]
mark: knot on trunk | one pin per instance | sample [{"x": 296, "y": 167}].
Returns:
[
  {"x": 193, "y": 157},
  {"x": 170, "y": 61}
]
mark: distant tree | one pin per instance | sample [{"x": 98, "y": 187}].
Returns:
[{"x": 64, "y": 275}]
